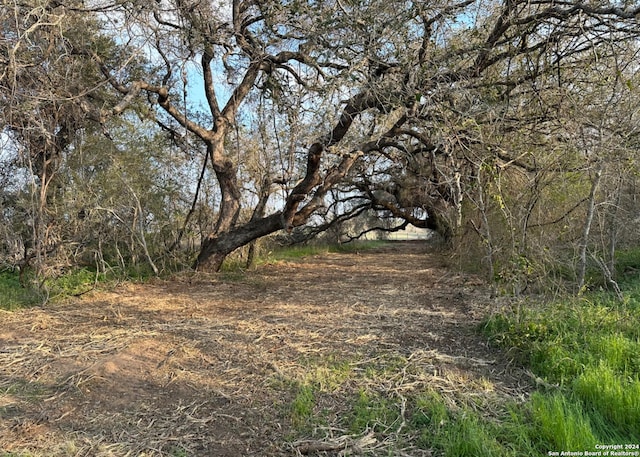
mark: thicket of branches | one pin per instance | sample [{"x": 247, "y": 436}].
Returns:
[{"x": 176, "y": 132}]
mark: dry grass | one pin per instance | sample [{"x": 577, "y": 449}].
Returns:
[{"x": 203, "y": 365}]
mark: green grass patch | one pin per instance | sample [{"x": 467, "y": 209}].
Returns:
[
  {"x": 465, "y": 432},
  {"x": 328, "y": 375},
  {"x": 320, "y": 378},
  {"x": 628, "y": 265},
  {"x": 590, "y": 349},
  {"x": 429, "y": 413},
  {"x": 31, "y": 392},
  {"x": 559, "y": 341},
  {"x": 371, "y": 411},
  {"x": 302, "y": 406},
  {"x": 358, "y": 398},
  {"x": 360, "y": 245},
  {"x": 178, "y": 451},
  {"x": 469, "y": 436},
  {"x": 13, "y": 295},
  {"x": 297, "y": 252},
  {"x": 74, "y": 282}
]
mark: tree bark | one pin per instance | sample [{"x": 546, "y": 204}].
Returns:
[
  {"x": 582, "y": 251},
  {"x": 218, "y": 246}
]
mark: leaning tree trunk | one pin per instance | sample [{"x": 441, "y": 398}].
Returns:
[{"x": 217, "y": 247}]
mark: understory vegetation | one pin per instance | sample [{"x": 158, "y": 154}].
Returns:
[{"x": 18, "y": 291}]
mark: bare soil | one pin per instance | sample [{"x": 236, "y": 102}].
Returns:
[{"x": 204, "y": 365}]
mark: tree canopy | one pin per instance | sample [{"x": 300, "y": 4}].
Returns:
[{"x": 508, "y": 127}]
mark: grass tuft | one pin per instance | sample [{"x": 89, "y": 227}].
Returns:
[
  {"x": 561, "y": 424},
  {"x": 371, "y": 411}
]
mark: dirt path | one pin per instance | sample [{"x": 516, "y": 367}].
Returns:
[{"x": 201, "y": 366}]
